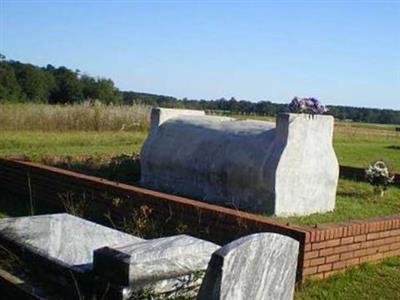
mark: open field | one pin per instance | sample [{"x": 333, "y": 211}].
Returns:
[
  {"x": 360, "y": 149},
  {"x": 103, "y": 152},
  {"x": 108, "y": 148},
  {"x": 349, "y": 125},
  {"x": 352, "y": 150},
  {"x": 37, "y": 130},
  {"x": 82, "y": 117},
  {"x": 36, "y": 145}
]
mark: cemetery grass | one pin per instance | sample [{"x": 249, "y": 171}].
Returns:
[
  {"x": 354, "y": 200},
  {"x": 358, "y": 150},
  {"x": 367, "y": 282},
  {"x": 38, "y": 145}
]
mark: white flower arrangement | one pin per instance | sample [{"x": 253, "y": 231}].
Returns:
[{"x": 378, "y": 175}]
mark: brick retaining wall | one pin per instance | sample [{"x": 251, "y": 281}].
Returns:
[
  {"x": 332, "y": 248},
  {"x": 324, "y": 249}
]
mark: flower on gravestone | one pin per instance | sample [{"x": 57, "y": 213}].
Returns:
[
  {"x": 307, "y": 105},
  {"x": 379, "y": 177}
]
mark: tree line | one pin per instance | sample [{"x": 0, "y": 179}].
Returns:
[
  {"x": 262, "y": 108},
  {"x": 21, "y": 82}
]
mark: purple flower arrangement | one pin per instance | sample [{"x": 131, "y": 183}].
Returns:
[{"x": 307, "y": 106}]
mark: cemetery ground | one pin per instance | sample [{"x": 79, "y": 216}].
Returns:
[
  {"x": 113, "y": 155},
  {"x": 368, "y": 281},
  {"x": 110, "y": 150}
]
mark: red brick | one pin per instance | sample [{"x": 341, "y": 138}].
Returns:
[
  {"x": 366, "y": 251},
  {"x": 392, "y": 253},
  {"x": 360, "y": 238},
  {"x": 347, "y": 255},
  {"x": 325, "y": 252},
  {"x": 352, "y": 262},
  {"x": 339, "y": 265},
  {"x": 332, "y": 258},
  {"x": 338, "y": 232},
  {"x": 395, "y": 246},
  {"x": 346, "y": 248},
  {"x": 347, "y": 240},
  {"x": 317, "y": 261},
  {"x": 370, "y": 258},
  {"x": 326, "y": 244},
  {"x": 384, "y": 248},
  {"x": 309, "y": 271},
  {"x": 324, "y": 268},
  {"x": 312, "y": 254},
  {"x": 394, "y": 232},
  {"x": 373, "y": 236}
]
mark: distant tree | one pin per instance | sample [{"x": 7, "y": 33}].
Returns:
[
  {"x": 89, "y": 87},
  {"x": 68, "y": 88},
  {"x": 36, "y": 83},
  {"x": 26, "y": 82},
  {"x": 107, "y": 92},
  {"x": 10, "y": 90}
]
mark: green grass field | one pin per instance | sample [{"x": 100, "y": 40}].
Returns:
[
  {"x": 359, "y": 150},
  {"x": 35, "y": 145},
  {"x": 351, "y": 150},
  {"x": 354, "y": 200},
  {"x": 367, "y": 282}
]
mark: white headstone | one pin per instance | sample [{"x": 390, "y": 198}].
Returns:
[{"x": 257, "y": 267}]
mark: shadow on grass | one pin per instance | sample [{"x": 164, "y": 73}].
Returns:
[
  {"x": 394, "y": 147},
  {"x": 12, "y": 205},
  {"x": 361, "y": 194},
  {"x": 122, "y": 168}
]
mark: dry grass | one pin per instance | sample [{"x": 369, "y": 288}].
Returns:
[{"x": 82, "y": 117}]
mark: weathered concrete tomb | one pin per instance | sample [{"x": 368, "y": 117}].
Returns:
[{"x": 285, "y": 169}]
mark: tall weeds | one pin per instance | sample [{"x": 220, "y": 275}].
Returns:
[{"x": 85, "y": 116}]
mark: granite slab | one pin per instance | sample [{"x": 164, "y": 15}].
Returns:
[
  {"x": 258, "y": 267},
  {"x": 141, "y": 263}
]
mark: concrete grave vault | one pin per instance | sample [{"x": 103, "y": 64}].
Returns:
[{"x": 287, "y": 168}]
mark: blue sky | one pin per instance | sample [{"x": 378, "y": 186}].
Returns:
[{"x": 342, "y": 52}]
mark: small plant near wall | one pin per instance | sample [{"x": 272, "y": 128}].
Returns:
[
  {"x": 307, "y": 106},
  {"x": 378, "y": 175}
]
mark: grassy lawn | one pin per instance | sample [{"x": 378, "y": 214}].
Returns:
[
  {"x": 354, "y": 200},
  {"x": 351, "y": 149},
  {"x": 367, "y": 282},
  {"x": 38, "y": 144},
  {"x": 360, "y": 149}
]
